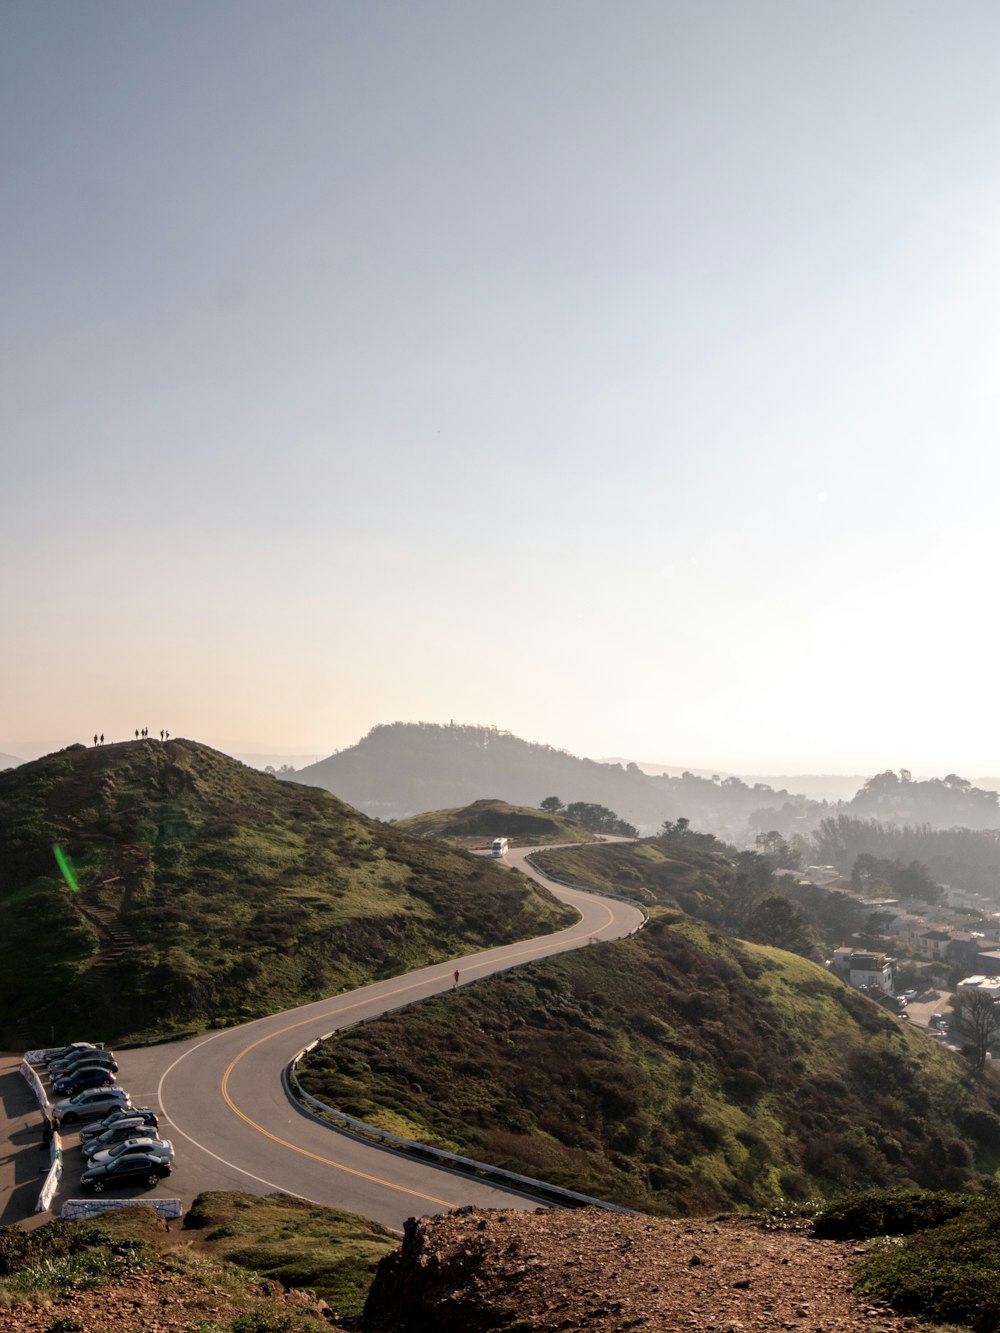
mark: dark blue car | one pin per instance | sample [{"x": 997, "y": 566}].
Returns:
[{"x": 83, "y": 1079}]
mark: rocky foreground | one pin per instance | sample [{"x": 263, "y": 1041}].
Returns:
[
  {"x": 474, "y": 1271},
  {"x": 509, "y": 1272}
]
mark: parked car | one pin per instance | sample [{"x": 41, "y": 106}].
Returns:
[
  {"x": 89, "y": 1105},
  {"x": 129, "y": 1127},
  {"x": 910, "y": 995},
  {"x": 59, "y": 1067},
  {"x": 62, "y": 1052},
  {"x": 139, "y": 1169},
  {"x": 136, "y": 1147},
  {"x": 938, "y": 1021},
  {"x": 137, "y": 1115},
  {"x": 90, "y": 1076}
]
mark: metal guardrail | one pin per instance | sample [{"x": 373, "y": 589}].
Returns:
[{"x": 360, "y": 1129}]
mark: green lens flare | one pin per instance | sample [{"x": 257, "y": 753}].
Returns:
[{"x": 66, "y": 866}]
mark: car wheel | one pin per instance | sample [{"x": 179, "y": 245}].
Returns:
[
  {"x": 68, "y": 1118},
  {"x": 97, "y": 1186},
  {"x": 152, "y": 1179}
]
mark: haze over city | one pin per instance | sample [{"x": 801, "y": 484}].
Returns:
[{"x": 625, "y": 376}]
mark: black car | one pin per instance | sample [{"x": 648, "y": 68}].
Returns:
[
  {"x": 88, "y": 1077},
  {"x": 123, "y": 1171},
  {"x": 66, "y": 1052}
]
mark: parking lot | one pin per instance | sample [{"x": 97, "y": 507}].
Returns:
[{"x": 25, "y": 1156}]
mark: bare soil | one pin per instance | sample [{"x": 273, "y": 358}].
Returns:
[{"x": 592, "y": 1270}]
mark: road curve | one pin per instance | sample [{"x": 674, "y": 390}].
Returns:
[{"x": 233, "y": 1126}]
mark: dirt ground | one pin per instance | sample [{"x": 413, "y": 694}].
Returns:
[{"x": 599, "y": 1271}]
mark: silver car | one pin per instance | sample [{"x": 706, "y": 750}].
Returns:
[
  {"x": 127, "y": 1128},
  {"x": 89, "y": 1105},
  {"x": 162, "y": 1149}
]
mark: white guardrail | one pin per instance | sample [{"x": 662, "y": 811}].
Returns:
[
  {"x": 54, "y": 1173},
  {"x": 73, "y": 1209},
  {"x": 468, "y": 1165}
]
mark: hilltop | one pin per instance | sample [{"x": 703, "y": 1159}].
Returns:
[
  {"x": 404, "y": 768},
  {"x": 209, "y": 891},
  {"x": 476, "y": 825}
]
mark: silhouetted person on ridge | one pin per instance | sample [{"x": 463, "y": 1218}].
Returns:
[
  {"x": 137, "y": 733},
  {"x": 161, "y": 735},
  {"x": 95, "y": 737},
  {"x": 166, "y": 735},
  {"x": 102, "y": 737}
]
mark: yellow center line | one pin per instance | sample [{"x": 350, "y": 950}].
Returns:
[{"x": 343, "y": 1009}]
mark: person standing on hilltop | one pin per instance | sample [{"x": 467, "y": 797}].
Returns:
[
  {"x": 102, "y": 737},
  {"x": 137, "y": 733},
  {"x": 95, "y": 737}
]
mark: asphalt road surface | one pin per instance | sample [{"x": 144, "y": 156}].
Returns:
[{"x": 222, "y": 1104}]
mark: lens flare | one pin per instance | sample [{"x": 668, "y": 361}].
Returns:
[{"x": 66, "y": 866}]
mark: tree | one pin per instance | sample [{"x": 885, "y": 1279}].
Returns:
[
  {"x": 778, "y": 850},
  {"x": 599, "y": 819},
  {"x": 979, "y": 1016},
  {"x": 778, "y": 922},
  {"x": 551, "y": 805}
]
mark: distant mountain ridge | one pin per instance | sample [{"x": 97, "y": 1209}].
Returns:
[{"x": 405, "y": 768}]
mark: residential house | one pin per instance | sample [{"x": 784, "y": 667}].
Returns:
[{"x": 876, "y": 971}]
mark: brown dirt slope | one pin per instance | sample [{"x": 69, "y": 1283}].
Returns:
[{"x": 501, "y": 1272}]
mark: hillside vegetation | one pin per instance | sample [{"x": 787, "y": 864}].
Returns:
[
  {"x": 476, "y": 825},
  {"x": 681, "y": 1071},
  {"x": 210, "y": 891},
  {"x": 226, "y": 1271}
]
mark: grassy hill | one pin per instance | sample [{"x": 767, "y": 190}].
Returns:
[
  {"x": 208, "y": 890},
  {"x": 693, "y": 872},
  {"x": 476, "y": 825},
  {"x": 398, "y": 770},
  {"x": 681, "y": 1071}
]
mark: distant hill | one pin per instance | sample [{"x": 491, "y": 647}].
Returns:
[
  {"x": 9, "y": 761},
  {"x": 403, "y": 768},
  {"x": 817, "y": 786},
  {"x": 948, "y": 802},
  {"x": 476, "y": 825},
  {"x": 206, "y": 890}
]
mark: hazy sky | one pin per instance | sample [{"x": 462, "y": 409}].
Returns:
[{"x": 623, "y": 374}]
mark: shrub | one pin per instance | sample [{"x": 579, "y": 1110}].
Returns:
[{"x": 889, "y": 1213}]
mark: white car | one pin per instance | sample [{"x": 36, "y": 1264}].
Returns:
[{"x": 144, "y": 1147}]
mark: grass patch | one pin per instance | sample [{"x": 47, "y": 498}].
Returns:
[{"x": 295, "y": 1243}]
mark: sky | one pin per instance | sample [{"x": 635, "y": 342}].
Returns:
[{"x": 624, "y": 375}]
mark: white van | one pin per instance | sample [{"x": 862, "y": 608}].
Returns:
[{"x": 499, "y": 847}]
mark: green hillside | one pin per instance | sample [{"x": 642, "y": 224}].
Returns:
[
  {"x": 210, "y": 891},
  {"x": 681, "y": 1071},
  {"x": 476, "y": 825}
]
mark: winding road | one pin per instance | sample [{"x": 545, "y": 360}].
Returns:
[{"x": 233, "y": 1127}]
